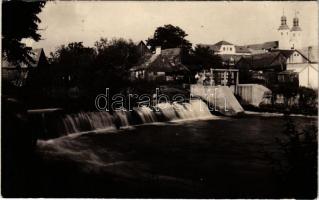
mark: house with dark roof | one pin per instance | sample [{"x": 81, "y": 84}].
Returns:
[
  {"x": 261, "y": 68},
  {"x": 163, "y": 65},
  {"x": 302, "y": 66},
  {"x": 273, "y": 65},
  {"x": 142, "y": 48},
  {"x": 18, "y": 74}
]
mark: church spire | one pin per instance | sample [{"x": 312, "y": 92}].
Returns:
[
  {"x": 296, "y": 23},
  {"x": 283, "y": 24}
]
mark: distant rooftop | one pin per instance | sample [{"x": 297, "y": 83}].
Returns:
[{"x": 223, "y": 42}]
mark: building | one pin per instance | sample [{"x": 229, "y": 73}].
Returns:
[
  {"x": 289, "y": 38},
  {"x": 143, "y": 49},
  {"x": 278, "y": 65},
  {"x": 262, "y": 47},
  {"x": 261, "y": 68},
  {"x": 228, "y": 52},
  {"x": 18, "y": 74},
  {"x": 163, "y": 65},
  {"x": 227, "y": 48},
  {"x": 301, "y": 66}
]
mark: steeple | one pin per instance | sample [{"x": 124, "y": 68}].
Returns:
[
  {"x": 296, "y": 23},
  {"x": 283, "y": 24}
]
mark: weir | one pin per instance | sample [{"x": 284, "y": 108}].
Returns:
[{"x": 101, "y": 121}]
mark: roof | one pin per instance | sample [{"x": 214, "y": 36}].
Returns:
[
  {"x": 265, "y": 45},
  {"x": 212, "y": 47},
  {"x": 166, "y": 64},
  {"x": 223, "y": 42},
  {"x": 268, "y": 60},
  {"x": 295, "y": 28},
  {"x": 36, "y": 56},
  {"x": 171, "y": 52},
  {"x": 242, "y": 49},
  {"x": 216, "y": 47},
  {"x": 287, "y": 72},
  {"x": 283, "y": 27},
  {"x": 288, "y": 53},
  {"x": 168, "y": 61},
  {"x": 228, "y": 57}
]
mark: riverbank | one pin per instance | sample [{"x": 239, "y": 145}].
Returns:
[{"x": 281, "y": 109}]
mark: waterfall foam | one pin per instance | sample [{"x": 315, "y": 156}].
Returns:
[
  {"x": 95, "y": 121},
  {"x": 146, "y": 114}
]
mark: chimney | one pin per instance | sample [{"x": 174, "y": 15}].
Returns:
[
  {"x": 309, "y": 52},
  {"x": 158, "y": 50}
]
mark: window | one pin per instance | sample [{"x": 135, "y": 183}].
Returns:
[
  {"x": 282, "y": 33},
  {"x": 294, "y": 35},
  {"x": 224, "y": 49},
  {"x": 230, "y": 48}
]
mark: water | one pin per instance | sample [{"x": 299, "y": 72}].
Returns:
[
  {"x": 97, "y": 121},
  {"x": 213, "y": 158}
]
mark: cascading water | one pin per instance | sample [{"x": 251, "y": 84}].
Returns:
[
  {"x": 81, "y": 122},
  {"x": 146, "y": 114},
  {"x": 121, "y": 118},
  {"x": 95, "y": 121},
  {"x": 167, "y": 110}
]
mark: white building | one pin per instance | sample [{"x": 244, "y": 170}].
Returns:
[
  {"x": 306, "y": 69},
  {"x": 290, "y": 38}
]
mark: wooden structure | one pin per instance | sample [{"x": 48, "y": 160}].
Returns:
[{"x": 223, "y": 77}]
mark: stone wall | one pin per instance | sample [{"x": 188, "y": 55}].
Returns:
[{"x": 221, "y": 98}]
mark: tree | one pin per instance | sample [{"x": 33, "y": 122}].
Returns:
[
  {"x": 205, "y": 57},
  {"x": 19, "y": 21},
  {"x": 114, "y": 59},
  {"x": 74, "y": 61},
  {"x": 169, "y": 36},
  {"x": 118, "y": 54}
]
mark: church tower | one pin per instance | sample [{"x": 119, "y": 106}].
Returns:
[
  {"x": 295, "y": 39},
  {"x": 284, "y": 34}
]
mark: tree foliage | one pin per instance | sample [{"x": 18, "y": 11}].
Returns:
[
  {"x": 116, "y": 54},
  {"x": 169, "y": 36},
  {"x": 19, "y": 21},
  {"x": 205, "y": 57},
  {"x": 95, "y": 68}
]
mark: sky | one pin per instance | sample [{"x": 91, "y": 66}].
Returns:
[{"x": 205, "y": 22}]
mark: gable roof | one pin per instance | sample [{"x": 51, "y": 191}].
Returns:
[
  {"x": 168, "y": 61},
  {"x": 223, "y": 42},
  {"x": 264, "y": 61},
  {"x": 166, "y": 64},
  {"x": 37, "y": 54},
  {"x": 288, "y": 53}
]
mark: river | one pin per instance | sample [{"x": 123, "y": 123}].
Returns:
[{"x": 219, "y": 157}]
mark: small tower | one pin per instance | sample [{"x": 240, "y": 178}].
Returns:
[
  {"x": 284, "y": 33},
  {"x": 295, "y": 39}
]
